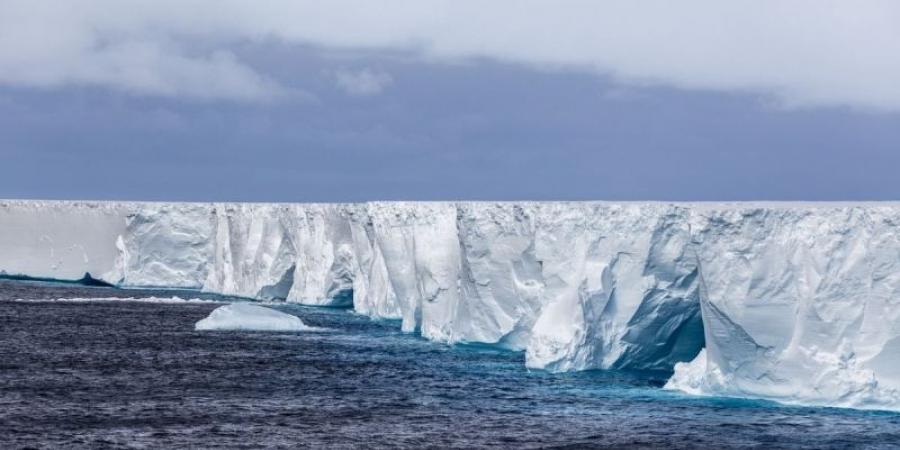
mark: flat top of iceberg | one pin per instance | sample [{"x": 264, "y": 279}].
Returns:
[
  {"x": 249, "y": 317},
  {"x": 727, "y": 204}
]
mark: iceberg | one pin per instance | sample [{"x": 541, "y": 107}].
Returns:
[
  {"x": 795, "y": 302},
  {"x": 249, "y": 317}
]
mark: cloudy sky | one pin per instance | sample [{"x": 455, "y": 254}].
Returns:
[{"x": 434, "y": 100}]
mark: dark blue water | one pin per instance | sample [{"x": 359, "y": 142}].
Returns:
[{"x": 127, "y": 374}]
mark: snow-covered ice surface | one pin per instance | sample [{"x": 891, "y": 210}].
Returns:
[
  {"x": 796, "y": 302},
  {"x": 249, "y": 317}
]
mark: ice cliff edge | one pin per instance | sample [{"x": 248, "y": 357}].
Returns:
[{"x": 793, "y": 302}]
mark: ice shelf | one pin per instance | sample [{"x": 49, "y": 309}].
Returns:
[{"x": 796, "y": 302}]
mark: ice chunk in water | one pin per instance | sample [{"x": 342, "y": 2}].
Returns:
[{"x": 245, "y": 316}]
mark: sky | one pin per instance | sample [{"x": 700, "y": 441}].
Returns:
[{"x": 201, "y": 100}]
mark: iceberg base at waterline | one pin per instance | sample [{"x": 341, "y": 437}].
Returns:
[
  {"x": 249, "y": 317},
  {"x": 822, "y": 379}
]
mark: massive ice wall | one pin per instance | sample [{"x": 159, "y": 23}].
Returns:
[
  {"x": 800, "y": 304},
  {"x": 795, "y": 302}
]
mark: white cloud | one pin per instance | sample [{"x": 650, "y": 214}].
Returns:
[
  {"x": 801, "y": 52},
  {"x": 364, "y": 82},
  {"x": 47, "y": 45}
]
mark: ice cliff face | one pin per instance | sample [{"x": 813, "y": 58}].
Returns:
[
  {"x": 794, "y": 302},
  {"x": 800, "y": 305}
]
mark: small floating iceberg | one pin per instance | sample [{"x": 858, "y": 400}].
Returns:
[{"x": 249, "y": 317}]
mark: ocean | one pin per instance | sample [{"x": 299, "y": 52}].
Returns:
[{"x": 131, "y": 374}]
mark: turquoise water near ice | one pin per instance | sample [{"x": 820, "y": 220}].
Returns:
[{"x": 123, "y": 374}]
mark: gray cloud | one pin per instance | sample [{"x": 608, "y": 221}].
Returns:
[
  {"x": 488, "y": 131},
  {"x": 799, "y": 53}
]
